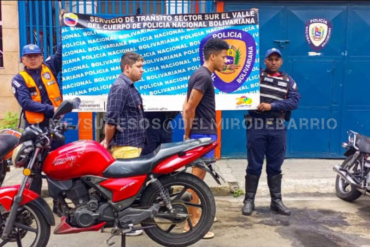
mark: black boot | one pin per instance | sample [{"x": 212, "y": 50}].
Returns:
[
  {"x": 251, "y": 184},
  {"x": 56, "y": 208},
  {"x": 36, "y": 184},
  {"x": 274, "y": 183}
]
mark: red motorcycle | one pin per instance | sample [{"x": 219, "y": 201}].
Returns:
[
  {"x": 152, "y": 192},
  {"x": 8, "y": 141}
]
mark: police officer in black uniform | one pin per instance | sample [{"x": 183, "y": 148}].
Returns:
[{"x": 266, "y": 132}]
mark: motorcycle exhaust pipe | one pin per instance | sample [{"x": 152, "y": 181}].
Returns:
[
  {"x": 344, "y": 174},
  {"x": 347, "y": 177}
]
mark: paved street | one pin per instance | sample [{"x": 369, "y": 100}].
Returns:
[
  {"x": 318, "y": 217},
  {"x": 315, "y": 221}
]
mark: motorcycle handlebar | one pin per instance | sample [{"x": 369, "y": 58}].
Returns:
[
  {"x": 59, "y": 136},
  {"x": 71, "y": 127}
]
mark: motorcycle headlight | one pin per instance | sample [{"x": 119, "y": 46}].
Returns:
[{"x": 351, "y": 138}]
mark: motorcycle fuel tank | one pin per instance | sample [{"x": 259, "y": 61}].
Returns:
[{"x": 77, "y": 159}]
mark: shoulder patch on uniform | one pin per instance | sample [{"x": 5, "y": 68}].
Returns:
[
  {"x": 17, "y": 84},
  {"x": 294, "y": 86},
  {"x": 47, "y": 75},
  {"x": 14, "y": 90}
]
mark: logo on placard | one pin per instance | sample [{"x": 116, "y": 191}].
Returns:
[
  {"x": 70, "y": 19},
  {"x": 318, "y": 32},
  {"x": 243, "y": 101},
  {"x": 240, "y": 59}
]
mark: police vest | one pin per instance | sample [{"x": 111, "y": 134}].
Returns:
[
  {"x": 52, "y": 89},
  {"x": 274, "y": 89}
]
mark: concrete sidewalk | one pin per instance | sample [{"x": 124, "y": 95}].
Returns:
[{"x": 311, "y": 177}]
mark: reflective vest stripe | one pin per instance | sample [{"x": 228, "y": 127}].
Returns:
[
  {"x": 270, "y": 96},
  {"x": 274, "y": 88}
]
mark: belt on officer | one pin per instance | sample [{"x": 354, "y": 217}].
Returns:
[{"x": 268, "y": 121}]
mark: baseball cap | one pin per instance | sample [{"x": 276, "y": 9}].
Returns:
[
  {"x": 272, "y": 50},
  {"x": 31, "y": 49}
]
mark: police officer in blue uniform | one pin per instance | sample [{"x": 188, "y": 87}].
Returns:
[
  {"x": 38, "y": 93},
  {"x": 42, "y": 74},
  {"x": 266, "y": 132}
]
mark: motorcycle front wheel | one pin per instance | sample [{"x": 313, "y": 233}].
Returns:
[
  {"x": 345, "y": 190},
  {"x": 183, "y": 190},
  {"x": 30, "y": 228}
]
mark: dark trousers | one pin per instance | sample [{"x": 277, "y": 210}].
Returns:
[
  {"x": 36, "y": 184},
  {"x": 156, "y": 137},
  {"x": 267, "y": 140},
  {"x": 37, "y": 180},
  {"x": 159, "y": 130}
]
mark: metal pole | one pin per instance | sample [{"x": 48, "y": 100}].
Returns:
[{"x": 123, "y": 240}]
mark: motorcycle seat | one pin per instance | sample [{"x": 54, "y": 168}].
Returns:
[
  {"x": 363, "y": 143},
  {"x": 122, "y": 168},
  {"x": 7, "y": 144}
]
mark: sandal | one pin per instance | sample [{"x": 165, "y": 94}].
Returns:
[{"x": 209, "y": 235}]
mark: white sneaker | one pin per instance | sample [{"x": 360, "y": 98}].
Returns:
[{"x": 135, "y": 233}]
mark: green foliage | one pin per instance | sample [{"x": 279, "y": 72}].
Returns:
[
  {"x": 238, "y": 192},
  {"x": 10, "y": 121}
]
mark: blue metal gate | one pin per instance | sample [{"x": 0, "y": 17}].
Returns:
[
  {"x": 332, "y": 84},
  {"x": 39, "y": 24}
]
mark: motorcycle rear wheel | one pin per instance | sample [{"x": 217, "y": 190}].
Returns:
[
  {"x": 207, "y": 206},
  {"x": 344, "y": 190}
]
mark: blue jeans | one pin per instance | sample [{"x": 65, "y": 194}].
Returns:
[{"x": 214, "y": 138}]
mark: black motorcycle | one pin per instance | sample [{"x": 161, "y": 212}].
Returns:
[
  {"x": 8, "y": 142},
  {"x": 353, "y": 179}
]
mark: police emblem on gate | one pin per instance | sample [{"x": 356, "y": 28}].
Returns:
[
  {"x": 240, "y": 59},
  {"x": 47, "y": 75},
  {"x": 318, "y": 32}
]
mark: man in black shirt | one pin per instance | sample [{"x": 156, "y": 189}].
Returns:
[{"x": 199, "y": 110}]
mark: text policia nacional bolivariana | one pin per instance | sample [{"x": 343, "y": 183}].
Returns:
[{"x": 248, "y": 17}]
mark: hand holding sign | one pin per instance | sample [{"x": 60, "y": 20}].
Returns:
[
  {"x": 264, "y": 107},
  {"x": 62, "y": 12}
]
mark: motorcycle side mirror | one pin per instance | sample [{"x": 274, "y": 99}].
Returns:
[
  {"x": 29, "y": 134},
  {"x": 66, "y": 107},
  {"x": 36, "y": 128}
]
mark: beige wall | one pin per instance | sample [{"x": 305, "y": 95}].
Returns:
[{"x": 11, "y": 56}]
